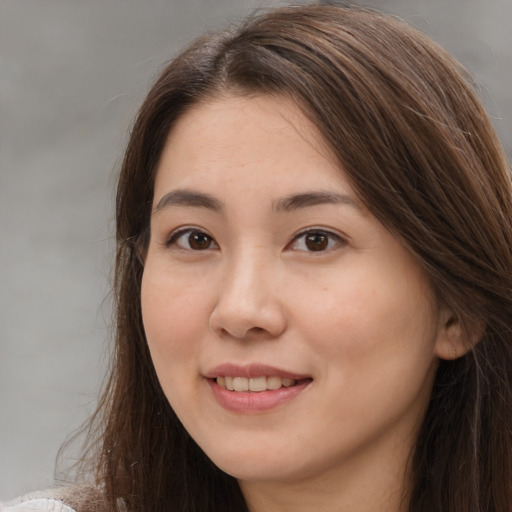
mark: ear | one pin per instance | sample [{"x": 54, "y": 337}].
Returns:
[{"x": 454, "y": 339}]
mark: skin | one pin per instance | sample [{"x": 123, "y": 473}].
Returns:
[{"x": 358, "y": 316}]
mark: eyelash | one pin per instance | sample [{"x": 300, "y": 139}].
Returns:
[
  {"x": 322, "y": 237},
  {"x": 333, "y": 240},
  {"x": 176, "y": 235}
]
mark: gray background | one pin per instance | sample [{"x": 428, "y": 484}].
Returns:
[{"x": 72, "y": 73}]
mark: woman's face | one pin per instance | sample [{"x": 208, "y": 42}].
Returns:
[{"x": 265, "y": 273}]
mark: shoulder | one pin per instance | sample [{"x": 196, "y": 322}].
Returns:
[
  {"x": 73, "y": 498},
  {"x": 36, "y": 504},
  {"x": 48, "y": 501}
]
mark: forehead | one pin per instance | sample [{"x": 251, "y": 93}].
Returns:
[{"x": 267, "y": 135}]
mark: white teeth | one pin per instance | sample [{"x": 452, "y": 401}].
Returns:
[
  {"x": 255, "y": 384},
  {"x": 288, "y": 382},
  {"x": 274, "y": 382},
  {"x": 240, "y": 384},
  {"x": 258, "y": 384}
]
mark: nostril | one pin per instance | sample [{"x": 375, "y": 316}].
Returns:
[
  {"x": 247, "y": 319},
  {"x": 253, "y": 332}
]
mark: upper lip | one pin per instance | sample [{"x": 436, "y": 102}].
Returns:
[{"x": 251, "y": 371}]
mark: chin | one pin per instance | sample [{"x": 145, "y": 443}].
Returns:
[
  {"x": 261, "y": 472},
  {"x": 261, "y": 465}
]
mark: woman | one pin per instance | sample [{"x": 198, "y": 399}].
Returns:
[{"x": 313, "y": 280}]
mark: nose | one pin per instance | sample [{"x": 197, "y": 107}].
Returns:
[{"x": 248, "y": 305}]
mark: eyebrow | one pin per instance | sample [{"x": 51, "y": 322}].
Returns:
[
  {"x": 184, "y": 197},
  {"x": 307, "y": 199},
  {"x": 191, "y": 198}
]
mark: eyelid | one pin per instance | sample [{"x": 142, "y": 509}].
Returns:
[
  {"x": 341, "y": 240},
  {"x": 177, "y": 233}
]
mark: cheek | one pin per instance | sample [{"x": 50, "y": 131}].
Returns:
[
  {"x": 360, "y": 320},
  {"x": 374, "y": 346},
  {"x": 172, "y": 318}
]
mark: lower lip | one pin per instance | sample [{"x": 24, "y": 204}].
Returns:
[{"x": 252, "y": 402}]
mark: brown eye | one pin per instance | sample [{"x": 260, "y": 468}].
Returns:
[
  {"x": 199, "y": 241},
  {"x": 192, "y": 240},
  {"x": 316, "y": 241}
]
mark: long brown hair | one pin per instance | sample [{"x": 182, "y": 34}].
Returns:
[{"x": 417, "y": 147}]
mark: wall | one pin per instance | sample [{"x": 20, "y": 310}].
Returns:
[{"x": 72, "y": 74}]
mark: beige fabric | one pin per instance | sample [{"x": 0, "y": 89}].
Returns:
[
  {"x": 72, "y": 498},
  {"x": 37, "y": 504},
  {"x": 49, "y": 500}
]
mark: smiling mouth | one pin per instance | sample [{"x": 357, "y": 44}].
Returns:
[{"x": 256, "y": 384}]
